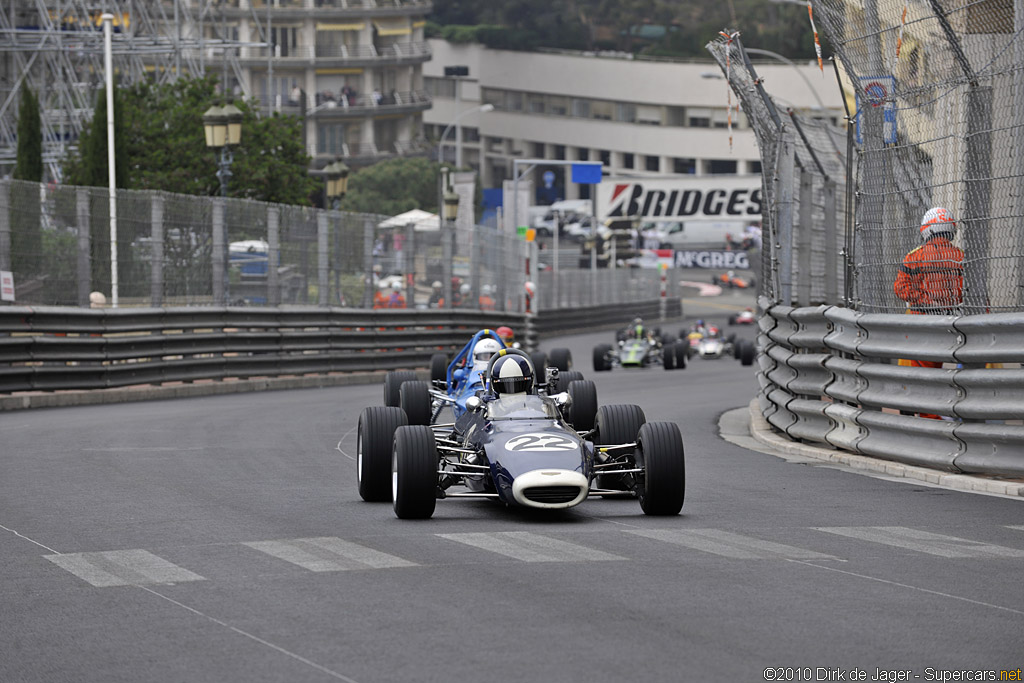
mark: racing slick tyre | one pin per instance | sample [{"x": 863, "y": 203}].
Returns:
[
  {"x": 736, "y": 348},
  {"x": 393, "y": 382},
  {"x": 732, "y": 320},
  {"x": 668, "y": 358},
  {"x": 681, "y": 349},
  {"x": 414, "y": 472},
  {"x": 376, "y": 432},
  {"x": 564, "y": 378},
  {"x": 659, "y": 452},
  {"x": 601, "y": 352},
  {"x": 617, "y": 424},
  {"x": 746, "y": 353},
  {"x": 540, "y": 363},
  {"x": 583, "y": 405},
  {"x": 731, "y": 338},
  {"x": 561, "y": 358},
  {"x": 414, "y": 399},
  {"x": 438, "y": 367}
]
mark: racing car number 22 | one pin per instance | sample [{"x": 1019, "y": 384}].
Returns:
[{"x": 540, "y": 442}]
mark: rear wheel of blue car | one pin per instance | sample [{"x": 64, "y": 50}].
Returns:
[
  {"x": 414, "y": 399},
  {"x": 438, "y": 367},
  {"x": 582, "y": 404},
  {"x": 540, "y": 363},
  {"x": 414, "y": 465},
  {"x": 561, "y": 358},
  {"x": 617, "y": 424},
  {"x": 564, "y": 380},
  {"x": 659, "y": 452},
  {"x": 374, "y": 437},
  {"x": 393, "y": 382}
]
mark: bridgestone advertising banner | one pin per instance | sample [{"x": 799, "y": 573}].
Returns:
[{"x": 713, "y": 197}]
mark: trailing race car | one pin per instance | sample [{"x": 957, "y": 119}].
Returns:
[
  {"x": 454, "y": 382},
  {"x": 744, "y": 317},
  {"x": 713, "y": 345},
  {"x": 521, "y": 448},
  {"x": 639, "y": 347}
]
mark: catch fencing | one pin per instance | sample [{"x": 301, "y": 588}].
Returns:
[
  {"x": 180, "y": 250},
  {"x": 939, "y": 92}
]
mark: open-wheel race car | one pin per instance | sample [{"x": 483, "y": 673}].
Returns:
[
  {"x": 744, "y": 317},
  {"x": 709, "y": 343},
  {"x": 639, "y": 347},
  {"x": 519, "y": 447}
]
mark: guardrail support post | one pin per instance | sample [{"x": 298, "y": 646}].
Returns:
[
  {"x": 831, "y": 245},
  {"x": 156, "y": 283},
  {"x": 273, "y": 255},
  {"x": 5, "y": 225},
  {"x": 321, "y": 258},
  {"x": 217, "y": 255},
  {"x": 84, "y": 268},
  {"x": 803, "y": 239}
]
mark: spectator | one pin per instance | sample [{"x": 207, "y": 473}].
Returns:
[
  {"x": 377, "y": 97},
  {"x": 295, "y": 96},
  {"x": 396, "y": 300},
  {"x": 436, "y": 299},
  {"x": 485, "y": 299}
]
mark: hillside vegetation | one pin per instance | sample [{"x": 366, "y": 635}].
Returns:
[{"x": 671, "y": 28}]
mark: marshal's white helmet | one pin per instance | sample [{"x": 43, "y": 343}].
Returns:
[
  {"x": 397, "y": 286},
  {"x": 484, "y": 349},
  {"x": 464, "y": 289},
  {"x": 936, "y": 221}
]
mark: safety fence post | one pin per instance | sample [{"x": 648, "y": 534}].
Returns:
[{"x": 156, "y": 231}]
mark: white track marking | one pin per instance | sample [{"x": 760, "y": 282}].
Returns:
[
  {"x": 44, "y": 547},
  {"x": 1016, "y": 527},
  {"x": 906, "y": 585},
  {"x": 728, "y": 544},
  {"x": 528, "y": 547},
  {"x": 328, "y": 554},
  {"x": 345, "y": 436},
  {"x": 923, "y": 541},
  {"x": 122, "y": 568}
]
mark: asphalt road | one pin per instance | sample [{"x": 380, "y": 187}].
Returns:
[{"x": 222, "y": 539}]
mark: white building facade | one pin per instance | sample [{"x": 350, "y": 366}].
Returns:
[{"x": 638, "y": 118}]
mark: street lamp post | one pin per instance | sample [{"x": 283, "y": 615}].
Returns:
[
  {"x": 335, "y": 188},
  {"x": 450, "y": 209},
  {"x": 222, "y": 127}
]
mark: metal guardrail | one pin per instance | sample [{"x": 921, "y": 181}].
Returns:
[
  {"x": 562, "y": 320},
  {"x": 69, "y": 348},
  {"x": 829, "y": 374}
]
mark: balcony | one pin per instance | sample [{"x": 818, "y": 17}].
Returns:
[
  {"x": 363, "y": 105},
  {"x": 325, "y": 9},
  {"x": 359, "y": 153},
  {"x": 343, "y": 56}
]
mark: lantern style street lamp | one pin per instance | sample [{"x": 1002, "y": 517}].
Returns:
[
  {"x": 223, "y": 129},
  {"x": 337, "y": 182}
]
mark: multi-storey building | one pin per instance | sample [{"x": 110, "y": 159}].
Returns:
[{"x": 637, "y": 117}]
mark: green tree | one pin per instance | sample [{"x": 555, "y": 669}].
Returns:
[
  {"x": 393, "y": 187},
  {"x": 26, "y": 237}
]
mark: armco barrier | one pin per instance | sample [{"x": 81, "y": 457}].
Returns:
[
  {"x": 561, "y": 320},
  {"x": 830, "y": 375},
  {"x": 72, "y": 348}
]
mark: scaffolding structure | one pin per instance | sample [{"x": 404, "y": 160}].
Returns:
[{"x": 56, "y": 48}]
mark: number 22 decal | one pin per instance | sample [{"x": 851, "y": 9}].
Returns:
[{"x": 540, "y": 442}]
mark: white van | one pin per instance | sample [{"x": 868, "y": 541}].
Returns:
[{"x": 694, "y": 234}]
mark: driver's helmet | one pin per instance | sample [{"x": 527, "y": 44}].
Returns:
[
  {"x": 511, "y": 375},
  {"x": 506, "y": 334},
  {"x": 484, "y": 349},
  {"x": 638, "y": 321}
]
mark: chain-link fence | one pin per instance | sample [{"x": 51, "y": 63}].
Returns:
[
  {"x": 185, "y": 250},
  {"x": 804, "y": 170}
]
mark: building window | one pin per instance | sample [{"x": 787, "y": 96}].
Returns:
[
  {"x": 602, "y": 109},
  {"x": 675, "y": 116},
  {"x": 538, "y": 150},
  {"x": 628, "y": 160},
  {"x": 581, "y": 108},
  {"x": 330, "y": 138},
  {"x": 285, "y": 40},
  {"x": 684, "y": 165},
  {"x": 753, "y": 167},
  {"x": 584, "y": 189},
  {"x": 582, "y": 153},
  {"x": 442, "y": 87},
  {"x": 470, "y": 134},
  {"x": 560, "y": 152},
  {"x": 536, "y": 104},
  {"x": 700, "y": 122},
  {"x": 558, "y": 105},
  {"x": 513, "y": 100},
  {"x": 490, "y": 96},
  {"x": 625, "y": 112},
  {"x": 721, "y": 166},
  {"x": 652, "y": 163},
  {"x": 606, "y": 157}
]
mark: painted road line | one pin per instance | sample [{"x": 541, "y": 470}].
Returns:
[
  {"x": 529, "y": 547},
  {"x": 328, "y": 554},
  {"x": 122, "y": 568},
  {"x": 923, "y": 541},
  {"x": 729, "y": 544},
  {"x": 1017, "y": 527}
]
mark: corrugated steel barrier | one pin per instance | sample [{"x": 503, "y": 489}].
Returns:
[{"x": 831, "y": 375}]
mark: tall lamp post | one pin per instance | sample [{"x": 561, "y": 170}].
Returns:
[
  {"x": 482, "y": 109},
  {"x": 450, "y": 209},
  {"x": 336, "y": 187},
  {"x": 223, "y": 129}
]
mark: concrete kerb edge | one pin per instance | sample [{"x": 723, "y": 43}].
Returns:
[
  {"x": 211, "y": 388},
  {"x": 762, "y": 432}
]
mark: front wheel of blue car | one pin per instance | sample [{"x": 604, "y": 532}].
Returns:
[
  {"x": 659, "y": 452},
  {"x": 414, "y": 472},
  {"x": 414, "y": 399},
  {"x": 374, "y": 436},
  {"x": 582, "y": 404}
]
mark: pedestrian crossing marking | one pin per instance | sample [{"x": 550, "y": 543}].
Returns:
[
  {"x": 924, "y": 541},
  {"x": 729, "y": 544},
  {"x": 529, "y": 547},
  {"x": 122, "y": 568},
  {"x": 328, "y": 554}
]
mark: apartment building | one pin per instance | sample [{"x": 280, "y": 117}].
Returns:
[{"x": 637, "y": 117}]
